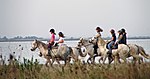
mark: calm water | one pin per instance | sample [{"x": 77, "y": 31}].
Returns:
[{"x": 22, "y": 49}]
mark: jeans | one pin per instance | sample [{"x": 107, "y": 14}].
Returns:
[{"x": 110, "y": 44}]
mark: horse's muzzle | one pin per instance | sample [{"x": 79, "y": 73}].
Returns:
[{"x": 32, "y": 49}]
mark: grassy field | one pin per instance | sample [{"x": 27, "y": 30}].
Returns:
[{"x": 33, "y": 70}]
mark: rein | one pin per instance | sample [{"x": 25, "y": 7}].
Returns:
[{"x": 87, "y": 45}]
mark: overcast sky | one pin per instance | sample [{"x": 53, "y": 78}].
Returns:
[{"x": 76, "y": 18}]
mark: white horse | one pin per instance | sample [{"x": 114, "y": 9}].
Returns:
[
  {"x": 78, "y": 52},
  {"x": 124, "y": 51},
  {"x": 64, "y": 53},
  {"x": 136, "y": 51},
  {"x": 89, "y": 49},
  {"x": 121, "y": 52}
]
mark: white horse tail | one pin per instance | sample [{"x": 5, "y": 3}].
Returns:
[
  {"x": 71, "y": 51},
  {"x": 142, "y": 52}
]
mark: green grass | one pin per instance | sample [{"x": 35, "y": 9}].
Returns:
[{"x": 34, "y": 70}]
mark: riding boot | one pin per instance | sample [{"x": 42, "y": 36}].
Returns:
[
  {"x": 49, "y": 49},
  {"x": 110, "y": 54},
  {"x": 95, "y": 49}
]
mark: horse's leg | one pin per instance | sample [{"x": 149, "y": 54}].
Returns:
[
  {"x": 134, "y": 60},
  {"x": 137, "y": 58},
  {"x": 124, "y": 59},
  {"x": 88, "y": 60},
  {"x": 110, "y": 59},
  {"x": 57, "y": 60},
  {"x": 104, "y": 59},
  {"x": 100, "y": 60},
  {"x": 67, "y": 60},
  {"x": 75, "y": 58},
  {"x": 116, "y": 60},
  {"x": 94, "y": 58},
  {"x": 53, "y": 59},
  {"x": 48, "y": 61}
]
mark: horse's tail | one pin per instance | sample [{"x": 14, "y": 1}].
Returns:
[
  {"x": 72, "y": 54},
  {"x": 70, "y": 50},
  {"x": 142, "y": 52}
]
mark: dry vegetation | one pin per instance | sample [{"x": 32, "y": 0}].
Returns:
[{"x": 33, "y": 70}]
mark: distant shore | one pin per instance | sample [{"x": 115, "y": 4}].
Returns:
[{"x": 69, "y": 39}]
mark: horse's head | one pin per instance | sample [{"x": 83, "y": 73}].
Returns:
[
  {"x": 97, "y": 40},
  {"x": 82, "y": 42},
  {"x": 93, "y": 40},
  {"x": 34, "y": 45}
]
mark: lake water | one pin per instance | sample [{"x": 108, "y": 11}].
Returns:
[{"x": 22, "y": 49}]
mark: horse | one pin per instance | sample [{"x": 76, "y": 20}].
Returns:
[
  {"x": 63, "y": 53},
  {"x": 89, "y": 49},
  {"x": 78, "y": 52},
  {"x": 136, "y": 51},
  {"x": 132, "y": 50},
  {"x": 121, "y": 52}
]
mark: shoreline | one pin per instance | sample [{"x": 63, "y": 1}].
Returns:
[{"x": 26, "y": 40}]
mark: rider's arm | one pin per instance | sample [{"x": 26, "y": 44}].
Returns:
[
  {"x": 119, "y": 38},
  {"x": 112, "y": 38},
  {"x": 60, "y": 41}
]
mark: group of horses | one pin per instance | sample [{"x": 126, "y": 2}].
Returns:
[{"x": 65, "y": 52}]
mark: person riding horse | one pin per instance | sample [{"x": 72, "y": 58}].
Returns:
[
  {"x": 111, "y": 43},
  {"x": 122, "y": 39},
  {"x": 51, "y": 41},
  {"x": 98, "y": 30}
]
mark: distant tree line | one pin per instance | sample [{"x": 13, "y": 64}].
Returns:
[
  {"x": 31, "y": 38},
  {"x": 19, "y": 38}
]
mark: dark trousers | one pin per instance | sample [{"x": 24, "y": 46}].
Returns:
[
  {"x": 95, "y": 48},
  {"x": 50, "y": 47}
]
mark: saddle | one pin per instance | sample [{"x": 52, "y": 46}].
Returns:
[
  {"x": 115, "y": 46},
  {"x": 55, "y": 46}
]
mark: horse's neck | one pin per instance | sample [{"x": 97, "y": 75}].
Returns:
[
  {"x": 101, "y": 42},
  {"x": 42, "y": 47},
  {"x": 88, "y": 45}
]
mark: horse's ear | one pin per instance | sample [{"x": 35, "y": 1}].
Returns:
[
  {"x": 81, "y": 38},
  {"x": 35, "y": 40}
]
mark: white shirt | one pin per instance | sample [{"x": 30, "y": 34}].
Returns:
[{"x": 61, "y": 38}]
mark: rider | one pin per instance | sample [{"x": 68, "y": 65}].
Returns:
[
  {"x": 51, "y": 41},
  {"x": 60, "y": 42},
  {"x": 122, "y": 37},
  {"x": 61, "y": 39},
  {"x": 98, "y": 30},
  {"x": 112, "y": 41}
]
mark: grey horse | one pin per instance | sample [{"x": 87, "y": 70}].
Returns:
[{"x": 63, "y": 53}]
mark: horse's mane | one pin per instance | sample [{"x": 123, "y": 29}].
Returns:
[
  {"x": 101, "y": 41},
  {"x": 43, "y": 44},
  {"x": 86, "y": 40}
]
